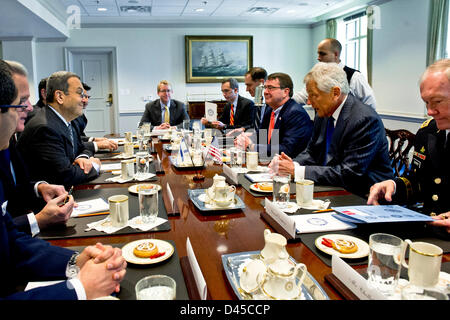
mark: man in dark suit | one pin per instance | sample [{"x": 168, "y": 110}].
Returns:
[
  {"x": 164, "y": 112},
  {"x": 428, "y": 181},
  {"x": 95, "y": 272},
  {"x": 93, "y": 144},
  {"x": 349, "y": 146},
  {"x": 238, "y": 112},
  {"x": 286, "y": 126},
  {"x": 50, "y": 145},
  {"x": 22, "y": 194}
]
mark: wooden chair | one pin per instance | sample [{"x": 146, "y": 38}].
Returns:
[{"x": 400, "y": 143}]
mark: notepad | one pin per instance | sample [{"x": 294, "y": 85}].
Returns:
[
  {"x": 320, "y": 222},
  {"x": 90, "y": 206}
]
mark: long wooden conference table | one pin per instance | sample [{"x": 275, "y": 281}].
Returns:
[{"x": 213, "y": 235}]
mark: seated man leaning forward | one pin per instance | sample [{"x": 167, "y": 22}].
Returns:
[
  {"x": 49, "y": 144},
  {"x": 349, "y": 147},
  {"x": 164, "y": 112},
  {"x": 428, "y": 181},
  {"x": 286, "y": 126}
]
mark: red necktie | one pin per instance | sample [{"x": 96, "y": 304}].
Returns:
[
  {"x": 232, "y": 116},
  {"x": 271, "y": 125}
]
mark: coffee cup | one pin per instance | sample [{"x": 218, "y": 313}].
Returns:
[
  {"x": 118, "y": 208},
  {"x": 252, "y": 160},
  {"x": 224, "y": 195},
  {"x": 127, "y": 168},
  {"x": 304, "y": 192},
  {"x": 424, "y": 264}
]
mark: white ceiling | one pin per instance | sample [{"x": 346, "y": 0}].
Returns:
[{"x": 48, "y": 18}]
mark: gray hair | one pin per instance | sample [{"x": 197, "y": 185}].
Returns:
[
  {"x": 17, "y": 68},
  {"x": 328, "y": 76},
  {"x": 442, "y": 65},
  {"x": 58, "y": 81}
]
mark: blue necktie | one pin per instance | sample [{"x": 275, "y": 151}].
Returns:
[{"x": 329, "y": 136}]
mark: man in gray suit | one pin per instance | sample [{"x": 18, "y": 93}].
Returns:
[
  {"x": 349, "y": 147},
  {"x": 164, "y": 112}
]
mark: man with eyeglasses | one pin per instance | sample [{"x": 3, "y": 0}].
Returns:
[
  {"x": 91, "y": 143},
  {"x": 164, "y": 112},
  {"x": 95, "y": 272},
  {"x": 49, "y": 143},
  {"x": 286, "y": 126},
  {"x": 238, "y": 112},
  {"x": 25, "y": 196}
]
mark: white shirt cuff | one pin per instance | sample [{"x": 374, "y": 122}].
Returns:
[
  {"x": 96, "y": 166},
  {"x": 91, "y": 139},
  {"x": 79, "y": 289},
  {"x": 395, "y": 186},
  {"x": 34, "y": 227},
  {"x": 95, "y": 146},
  {"x": 299, "y": 172},
  {"x": 36, "y": 191}
]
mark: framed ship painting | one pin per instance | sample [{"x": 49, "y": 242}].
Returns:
[{"x": 215, "y": 58}]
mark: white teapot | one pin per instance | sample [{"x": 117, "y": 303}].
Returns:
[
  {"x": 218, "y": 181},
  {"x": 281, "y": 280},
  {"x": 275, "y": 247}
]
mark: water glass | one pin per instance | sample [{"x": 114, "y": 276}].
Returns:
[
  {"x": 385, "y": 258},
  {"x": 148, "y": 204},
  {"x": 186, "y": 124},
  {"x": 142, "y": 164},
  {"x": 281, "y": 189},
  {"x": 237, "y": 157},
  {"x": 156, "y": 287}
]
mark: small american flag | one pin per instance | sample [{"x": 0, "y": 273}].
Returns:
[{"x": 214, "y": 150}]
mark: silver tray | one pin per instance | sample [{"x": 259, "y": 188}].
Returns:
[
  {"x": 194, "y": 195},
  {"x": 183, "y": 167},
  {"x": 311, "y": 289}
]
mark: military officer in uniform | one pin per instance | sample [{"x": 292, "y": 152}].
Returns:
[{"x": 428, "y": 180}]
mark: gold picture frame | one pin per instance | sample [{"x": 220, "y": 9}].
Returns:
[{"x": 215, "y": 58}]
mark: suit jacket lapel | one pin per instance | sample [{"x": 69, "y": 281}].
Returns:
[{"x": 157, "y": 111}]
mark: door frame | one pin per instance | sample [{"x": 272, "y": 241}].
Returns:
[{"x": 111, "y": 51}]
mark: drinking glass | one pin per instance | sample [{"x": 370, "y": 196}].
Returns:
[
  {"x": 385, "y": 258},
  {"x": 148, "y": 204},
  {"x": 142, "y": 164},
  {"x": 156, "y": 287},
  {"x": 186, "y": 124},
  {"x": 281, "y": 189}
]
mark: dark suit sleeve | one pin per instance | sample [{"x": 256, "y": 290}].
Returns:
[
  {"x": 247, "y": 118},
  {"x": 146, "y": 116},
  {"x": 51, "y": 159},
  {"x": 181, "y": 114}
]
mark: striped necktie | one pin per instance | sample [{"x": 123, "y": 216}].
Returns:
[
  {"x": 166, "y": 115},
  {"x": 271, "y": 126},
  {"x": 232, "y": 115},
  {"x": 69, "y": 127}
]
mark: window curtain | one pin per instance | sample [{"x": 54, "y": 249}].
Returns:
[
  {"x": 331, "y": 28},
  {"x": 371, "y": 24},
  {"x": 437, "y": 30}
]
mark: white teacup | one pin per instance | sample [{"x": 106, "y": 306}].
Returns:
[
  {"x": 224, "y": 195},
  {"x": 127, "y": 168},
  {"x": 424, "y": 263},
  {"x": 304, "y": 192},
  {"x": 118, "y": 208},
  {"x": 252, "y": 160},
  {"x": 128, "y": 148}
]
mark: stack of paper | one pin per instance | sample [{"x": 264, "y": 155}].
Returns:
[
  {"x": 378, "y": 214},
  {"x": 259, "y": 177},
  {"x": 320, "y": 222},
  {"x": 90, "y": 206}
]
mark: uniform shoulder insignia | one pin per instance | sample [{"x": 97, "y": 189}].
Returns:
[{"x": 426, "y": 123}]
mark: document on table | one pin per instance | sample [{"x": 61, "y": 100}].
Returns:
[
  {"x": 378, "y": 214},
  {"x": 318, "y": 222},
  {"x": 108, "y": 167},
  {"x": 90, "y": 206},
  {"x": 210, "y": 111},
  {"x": 259, "y": 177}
]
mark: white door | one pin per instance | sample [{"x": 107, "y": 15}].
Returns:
[{"x": 94, "y": 69}]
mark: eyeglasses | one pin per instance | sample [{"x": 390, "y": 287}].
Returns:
[
  {"x": 166, "y": 91},
  {"x": 271, "y": 88},
  {"x": 19, "y": 108}
]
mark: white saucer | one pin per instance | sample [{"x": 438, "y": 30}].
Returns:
[{"x": 315, "y": 205}]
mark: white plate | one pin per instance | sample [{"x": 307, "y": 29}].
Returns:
[
  {"x": 255, "y": 187},
  {"x": 363, "y": 247},
  {"x": 133, "y": 188},
  {"x": 315, "y": 205},
  {"x": 127, "y": 251}
]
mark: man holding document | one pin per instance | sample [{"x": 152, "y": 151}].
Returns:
[{"x": 428, "y": 179}]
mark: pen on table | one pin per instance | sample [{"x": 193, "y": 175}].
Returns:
[
  {"x": 92, "y": 214},
  {"x": 325, "y": 210}
]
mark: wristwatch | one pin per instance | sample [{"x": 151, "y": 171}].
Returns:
[{"x": 72, "y": 268}]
